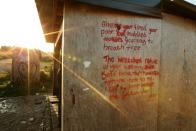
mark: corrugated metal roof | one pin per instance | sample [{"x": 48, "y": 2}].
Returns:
[
  {"x": 144, "y": 7},
  {"x": 149, "y": 7}
]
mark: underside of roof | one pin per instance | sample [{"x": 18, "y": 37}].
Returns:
[
  {"x": 179, "y": 7},
  {"x": 51, "y": 16}
]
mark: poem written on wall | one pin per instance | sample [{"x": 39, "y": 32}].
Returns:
[{"x": 123, "y": 74}]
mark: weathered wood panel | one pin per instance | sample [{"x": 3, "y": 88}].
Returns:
[
  {"x": 26, "y": 69},
  {"x": 177, "y": 99},
  {"x": 111, "y": 70}
]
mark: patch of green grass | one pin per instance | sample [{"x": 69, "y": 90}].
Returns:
[
  {"x": 4, "y": 84},
  {"x": 46, "y": 75},
  {"x": 7, "y": 89},
  {"x": 3, "y": 75},
  {"x": 6, "y": 52},
  {"x": 4, "y": 80},
  {"x": 11, "y": 91}
]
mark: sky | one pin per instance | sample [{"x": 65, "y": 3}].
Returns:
[
  {"x": 20, "y": 25},
  {"x": 191, "y": 1}
]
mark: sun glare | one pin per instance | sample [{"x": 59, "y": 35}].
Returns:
[{"x": 20, "y": 25}]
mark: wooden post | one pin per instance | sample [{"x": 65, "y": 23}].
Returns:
[{"x": 57, "y": 68}]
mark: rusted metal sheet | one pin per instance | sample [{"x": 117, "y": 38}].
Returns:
[{"x": 110, "y": 70}]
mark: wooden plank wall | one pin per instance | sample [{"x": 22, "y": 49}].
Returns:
[
  {"x": 177, "y": 99},
  {"x": 26, "y": 69},
  {"x": 110, "y": 70}
]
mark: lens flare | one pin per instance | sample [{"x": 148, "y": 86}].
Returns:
[{"x": 20, "y": 25}]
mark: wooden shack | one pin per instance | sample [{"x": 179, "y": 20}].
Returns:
[{"x": 127, "y": 65}]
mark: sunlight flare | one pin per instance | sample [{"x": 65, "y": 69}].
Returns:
[{"x": 20, "y": 25}]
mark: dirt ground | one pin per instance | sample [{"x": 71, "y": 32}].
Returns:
[{"x": 25, "y": 113}]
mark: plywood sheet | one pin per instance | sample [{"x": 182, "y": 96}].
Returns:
[
  {"x": 110, "y": 70},
  {"x": 177, "y": 103}
]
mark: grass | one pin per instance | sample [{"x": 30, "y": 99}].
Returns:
[
  {"x": 8, "y": 90},
  {"x": 5, "y": 84},
  {"x": 6, "y": 52},
  {"x": 46, "y": 75}
]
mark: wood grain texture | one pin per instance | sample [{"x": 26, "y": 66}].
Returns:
[
  {"x": 86, "y": 103},
  {"x": 177, "y": 103},
  {"x": 26, "y": 69}
]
